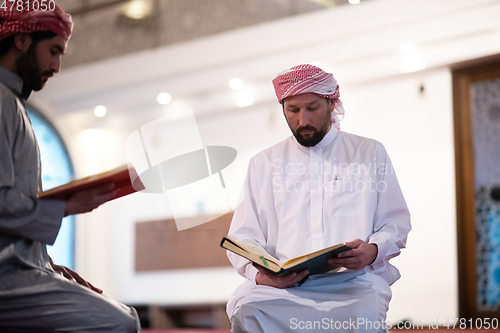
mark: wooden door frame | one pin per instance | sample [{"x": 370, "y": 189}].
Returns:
[{"x": 463, "y": 76}]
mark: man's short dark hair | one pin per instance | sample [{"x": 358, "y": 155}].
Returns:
[
  {"x": 36, "y": 37},
  {"x": 6, "y": 44}
]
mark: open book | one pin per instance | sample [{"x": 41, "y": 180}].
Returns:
[
  {"x": 120, "y": 176},
  {"x": 316, "y": 262}
]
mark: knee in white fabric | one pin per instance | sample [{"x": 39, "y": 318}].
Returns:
[{"x": 247, "y": 319}]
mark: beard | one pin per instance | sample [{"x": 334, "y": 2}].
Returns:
[
  {"x": 318, "y": 134},
  {"x": 29, "y": 70}
]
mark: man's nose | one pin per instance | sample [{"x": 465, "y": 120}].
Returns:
[
  {"x": 55, "y": 65},
  {"x": 303, "y": 118}
]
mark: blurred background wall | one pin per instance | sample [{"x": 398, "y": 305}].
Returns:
[{"x": 392, "y": 59}]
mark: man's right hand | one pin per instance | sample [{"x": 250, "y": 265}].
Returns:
[
  {"x": 74, "y": 276},
  {"x": 267, "y": 278},
  {"x": 87, "y": 200}
]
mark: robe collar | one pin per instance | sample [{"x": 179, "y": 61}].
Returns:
[
  {"x": 14, "y": 82},
  {"x": 327, "y": 139}
]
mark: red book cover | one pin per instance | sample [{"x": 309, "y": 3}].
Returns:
[{"x": 120, "y": 176}]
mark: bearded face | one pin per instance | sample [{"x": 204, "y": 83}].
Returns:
[
  {"x": 310, "y": 136},
  {"x": 29, "y": 69},
  {"x": 40, "y": 61},
  {"x": 309, "y": 117}
]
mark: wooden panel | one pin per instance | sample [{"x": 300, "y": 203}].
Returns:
[
  {"x": 465, "y": 193},
  {"x": 159, "y": 246}
]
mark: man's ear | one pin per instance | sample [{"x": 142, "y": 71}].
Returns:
[
  {"x": 331, "y": 103},
  {"x": 22, "y": 42}
]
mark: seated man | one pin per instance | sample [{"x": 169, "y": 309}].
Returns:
[
  {"x": 318, "y": 188},
  {"x": 35, "y": 294}
]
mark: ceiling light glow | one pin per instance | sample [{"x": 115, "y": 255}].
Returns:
[
  {"x": 244, "y": 100},
  {"x": 138, "y": 9},
  {"x": 236, "y": 83},
  {"x": 164, "y": 98},
  {"x": 100, "y": 111},
  {"x": 411, "y": 59},
  {"x": 412, "y": 63},
  {"x": 406, "y": 48}
]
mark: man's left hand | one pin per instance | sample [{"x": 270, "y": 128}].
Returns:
[
  {"x": 361, "y": 255},
  {"x": 74, "y": 276}
]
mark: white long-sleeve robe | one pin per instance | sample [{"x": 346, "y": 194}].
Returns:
[{"x": 298, "y": 200}]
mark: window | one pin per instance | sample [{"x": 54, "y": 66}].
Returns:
[{"x": 56, "y": 170}]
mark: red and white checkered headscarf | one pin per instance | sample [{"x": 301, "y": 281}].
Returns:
[
  {"x": 28, "y": 20},
  {"x": 306, "y": 78}
]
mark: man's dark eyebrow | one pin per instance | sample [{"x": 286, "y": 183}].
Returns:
[
  {"x": 59, "y": 48},
  {"x": 294, "y": 106}
]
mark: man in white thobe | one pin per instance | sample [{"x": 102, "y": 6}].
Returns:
[{"x": 318, "y": 188}]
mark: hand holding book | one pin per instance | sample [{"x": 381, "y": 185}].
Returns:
[
  {"x": 86, "y": 194},
  {"x": 314, "y": 263},
  {"x": 268, "y": 278},
  {"x": 87, "y": 200},
  {"x": 361, "y": 254}
]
